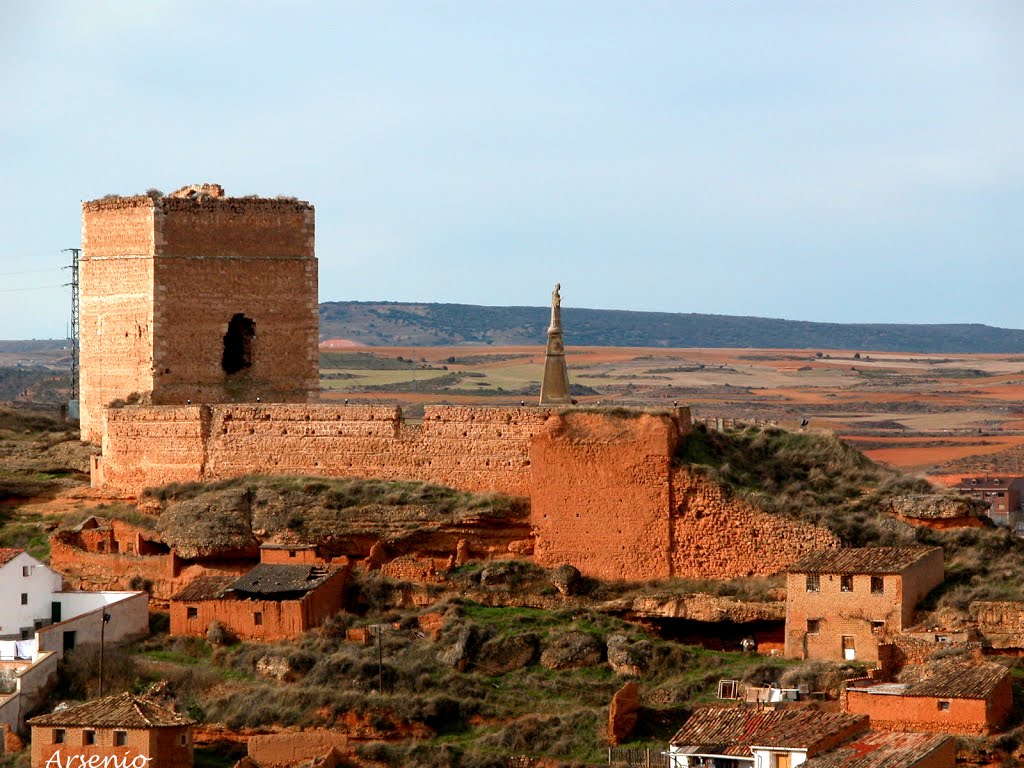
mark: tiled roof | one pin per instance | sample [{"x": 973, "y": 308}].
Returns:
[
  {"x": 271, "y": 579},
  {"x": 733, "y": 731},
  {"x": 121, "y": 711},
  {"x": 201, "y": 588},
  {"x": 880, "y": 750},
  {"x": 873, "y": 560},
  {"x": 7, "y": 554},
  {"x": 960, "y": 680}
]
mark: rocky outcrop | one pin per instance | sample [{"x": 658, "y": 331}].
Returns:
[
  {"x": 934, "y": 506},
  {"x": 572, "y": 650},
  {"x": 628, "y": 659},
  {"x": 701, "y": 607},
  {"x": 507, "y": 654}
]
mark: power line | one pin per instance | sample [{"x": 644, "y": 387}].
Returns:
[
  {"x": 31, "y": 271},
  {"x": 74, "y": 321}
]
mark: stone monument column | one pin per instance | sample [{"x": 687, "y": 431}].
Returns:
[{"x": 554, "y": 390}]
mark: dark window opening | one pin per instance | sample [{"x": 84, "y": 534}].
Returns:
[
  {"x": 813, "y": 626},
  {"x": 191, "y": 612},
  {"x": 238, "y": 344},
  {"x": 120, "y": 738},
  {"x": 58, "y": 735},
  {"x": 257, "y": 618},
  {"x": 813, "y": 582},
  {"x": 88, "y": 738},
  {"x": 24, "y": 598},
  {"x": 846, "y": 584},
  {"x": 877, "y": 585},
  {"x": 944, "y": 706}
]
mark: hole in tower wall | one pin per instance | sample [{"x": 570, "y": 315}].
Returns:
[{"x": 238, "y": 344}]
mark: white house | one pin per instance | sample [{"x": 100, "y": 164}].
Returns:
[{"x": 26, "y": 595}]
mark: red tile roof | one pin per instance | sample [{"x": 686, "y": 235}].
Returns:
[
  {"x": 874, "y": 560},
  {"x": 7, "y": 554},
  {"x": 121, "y": 711},
  {"x": 733, "y": 731},
  {"x": 882, "y": 750}
]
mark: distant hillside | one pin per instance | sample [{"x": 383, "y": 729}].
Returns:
[{"x": 399, "y": 324}]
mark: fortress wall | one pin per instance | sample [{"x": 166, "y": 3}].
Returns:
[
  {"x": 600, "y": 493},
  {"x": 717, "y": 536},
  {"x": 477, "y": 449}
]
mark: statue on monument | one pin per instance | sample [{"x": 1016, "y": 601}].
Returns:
[{"x": 554, "y": 390}]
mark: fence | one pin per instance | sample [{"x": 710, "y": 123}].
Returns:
[{"x": 638, "y": 758}]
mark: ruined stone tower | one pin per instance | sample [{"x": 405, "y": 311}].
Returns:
[
  {"x": 196, "y": 297},
  {"x": 554, "y": 388}
]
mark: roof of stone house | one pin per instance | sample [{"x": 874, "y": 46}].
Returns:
[
  {"x": 8, "y": 553},
  {"x": 272, "y": 579},
  {"x": 874, "y": 560},
  {"x": 121, "y": 711},
  {"x": 733, "y": 731},
  {"x": 210, "y": 587},
  {"x": 959, "y": 680},
  {"x": 880, "y": 750}
]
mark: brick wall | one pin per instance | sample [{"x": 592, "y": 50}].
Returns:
[
  {"x": 287, "y": 749},
  {"x": 972, "y": 717}
]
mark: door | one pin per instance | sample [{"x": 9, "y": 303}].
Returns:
[
  {"x": 849, "y": 651},
  {"x": 784, "y": 761},
  {"x": 55, "y": 612}
]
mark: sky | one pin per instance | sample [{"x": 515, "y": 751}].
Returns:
[{"x": 820, "y": 160}]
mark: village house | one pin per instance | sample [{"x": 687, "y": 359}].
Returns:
[
  {"x": 40, "y": 621},
  {"x": 122, "y": 731},
  {"x": 747, "y": 737},
  {"x": 1002, "y": 494},
  {"x": 841, "y": 603},
  {"x": 716, "y": 737},
  {"x": 963, "y": 698},
  {"x": 270, "y": 602},
  {"x": 889, "y": 750}
]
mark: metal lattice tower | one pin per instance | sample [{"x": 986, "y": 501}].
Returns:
[{"x": 74, "y": 318}]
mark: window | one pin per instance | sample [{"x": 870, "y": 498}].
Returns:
[
  {"x": 26, "y": 570},
  {"x": 191, "y": 612},
  {"x": 102, "y": 546},
  {"x": 183, "y": 739},
  {"x": 877, "y": 626},
  {"x": 24, "y": 598},
  {"x": 120, "y": 738},
  {"x": 257, "y": 618},
  {"x": 944, "y": 706},
  {"x": 88, "y": 738},
  {"x": 813, "y": 582},
  {"x": 877, "y": 585},
  {"x": 292, "y": 553},
  {"x": 58, "y": 735},
  {"x": 813, "y": 625},
  {"x": 238, "y": 344},
  {"x": 846, "y": 583}
]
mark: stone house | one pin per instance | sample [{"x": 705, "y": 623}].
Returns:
[
  {"x": 122, "y": 731},
  {"x": 270, "y": 602},
  {"x": 716, "y": 737},
  {"x": 841, "y": 603},
  {"x": 1002, "y": 494},
  {"x": 960, "y": 698}
]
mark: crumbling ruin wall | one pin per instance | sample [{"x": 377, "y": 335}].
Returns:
[
  {"x": 475, "y": 449},
  {"x": 715, "y": 535},
  {"x": 601, "y": 494}
]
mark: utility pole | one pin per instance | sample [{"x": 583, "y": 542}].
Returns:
[
  {"x": 103, "y": 625},
  {"x": 74, "y": 318}
]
